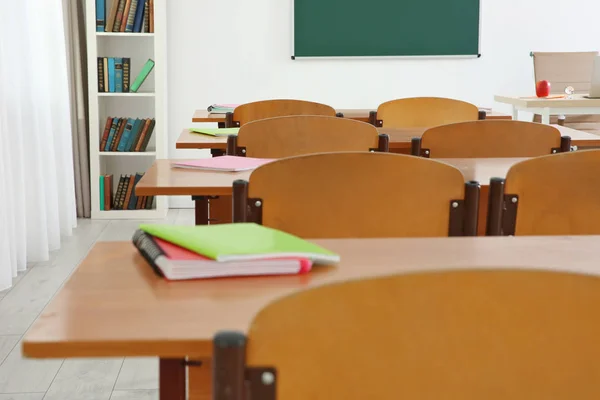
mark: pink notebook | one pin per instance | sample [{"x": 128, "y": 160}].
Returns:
[
  {"x": 224, "y": 163},
  {"x": 177, "y": 263}
]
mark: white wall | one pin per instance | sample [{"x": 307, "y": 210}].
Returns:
[{"x": 235, "y": 51}]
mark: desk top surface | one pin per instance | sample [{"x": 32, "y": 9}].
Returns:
[
  {"x": 360, "y": 114},
  {"x": 577, "y": 100},
  {"x": 399, "y": 138},
  {"x": 114, "y": 304},
  {"x": 163, "y": 179}
]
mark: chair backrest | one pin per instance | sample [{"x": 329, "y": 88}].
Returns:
[
  {"x": 422, "y": 112},
  {"x": 303, "y": 134},
  {"x": 471, "y": 335},
  {"x": 480, "y": 139},
  {"x": 341, "y": 195},
  {"x": 549, "y": 195},
  {"x": 277, "y": 108},
  {"x": 565, "y": 69}
]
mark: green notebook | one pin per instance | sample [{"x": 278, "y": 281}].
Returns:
[
  {"x": 101, "y": 192},
  {"x": 241, "y": 241},
  {"x": 216, "y": 131}
]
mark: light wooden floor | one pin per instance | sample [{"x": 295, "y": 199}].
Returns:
[{"x": 77, "y": 379}]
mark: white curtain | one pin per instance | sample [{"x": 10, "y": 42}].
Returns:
[{"x": 37, "y": 201}]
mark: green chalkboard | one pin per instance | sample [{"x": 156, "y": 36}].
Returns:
[{"x": 354, "y": 28}]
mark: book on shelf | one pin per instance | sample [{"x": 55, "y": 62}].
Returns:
[
  {"x": 113, "y": 74},
  {"x": 125, "y": 16},
  {"x": 126, "y": 134},
  {"x": 177, "y": 263},
  {"x": 141, "y": 77},
  {"x": 100, "y": 15},
  {"x": 124, "y": 198}
]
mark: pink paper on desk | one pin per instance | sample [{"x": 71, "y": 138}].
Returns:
[{"x": 224, "y": 163}]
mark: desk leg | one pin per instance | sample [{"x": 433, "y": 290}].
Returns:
[
  {"x": 221, "y": 124},
  {"x": 201, "y": 206},
  {"x": 172, "y": 383},
  {"x": 217, "y": 152},
  {"x": 515, "y": 113},
  {"x": 545, "y": 116}
]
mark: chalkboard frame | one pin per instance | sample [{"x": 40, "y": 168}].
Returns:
[{"x": 389, "y": 57}]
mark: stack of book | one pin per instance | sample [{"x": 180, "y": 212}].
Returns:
[
  {"x": 124, "y": 197},
  {"x": 125, "y": 16},
  {"x": 223, "y": 250},
  {"x": 221, "y": 108},
  {"x": 114, "y": 75},
  {"x": 126, "y": 134}
]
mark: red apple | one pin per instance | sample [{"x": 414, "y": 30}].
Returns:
[{"x": 542, "y": 89}]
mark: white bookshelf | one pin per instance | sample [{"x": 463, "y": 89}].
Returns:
[{"x": 149, "y": 102}]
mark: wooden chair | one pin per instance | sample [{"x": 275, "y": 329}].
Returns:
[
  {"x": 303, "y": 134},
  {"x": 358, "y": 195},
  {"x": 471, "y": 334},
  {"x": 275, "y": 108},
  {"x": 419, "y": 112},
  {"x": 481, "y": 139},
  {"x": 549, "y": 195},
  {"x": 563, "y": 69}
]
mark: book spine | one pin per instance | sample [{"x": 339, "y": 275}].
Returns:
[
  {"x": 119, "y": 17},
  {"x": 124, "y": 192},
  {"x": 110, "y": 22},
  {"x": 139, "y": 16},
  {"x": 110, "y": 190},
  {"x": 101, "y": 192},
  {"x": 133, "y": 200},
  {"x": 118, "y": 134},
  {"x": 146, "y": 27},
  {"x": 129, "y": 192},
  {"x": 135, "y": 134},
  {"x": 125, "y": 137},
  {"x": 118, "y": 75},
  {"x": 144, "y": 130},
  {"x": 149, "y": 135},
  {"x": 138, "y": 205},
  {"x": 107, "y": 192},
  {"x": 125, "y": 15},
  {"x": 111, "y": 75},
  {"x": 100, "y": 15},
  {"x": 132, "y": 16},
  {"x": 151, "y": 16},
  {"x": 126, "y": 74},
  {"x": 105, "y": 72},
  {"x": 111, "y": 135},
  {"x": 149, "y": 202},
  {"x": 107, "y": 127},
  {"x": 139, "y": 80},
  {"x": 100, "y": 75},
  {"x": 148, "y": 249},
  {"x": 115, "y": 202}
]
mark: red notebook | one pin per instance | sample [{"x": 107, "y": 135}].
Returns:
[
  {"x": 176, "y": 263},
  {"x": 224, "y": 163}
]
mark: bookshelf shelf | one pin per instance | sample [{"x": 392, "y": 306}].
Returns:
[
  {"x": 138, "y": 94},
  {"x": 124, "y": 34},
  {"x": 128, "y": 154},
  {"x": 127, "y": 105}
]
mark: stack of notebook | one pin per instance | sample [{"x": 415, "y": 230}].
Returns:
[
  {"x": 221, "y": 108},
  {"x": 223, "y": 163},
  {"x": 213, "y": 251}
]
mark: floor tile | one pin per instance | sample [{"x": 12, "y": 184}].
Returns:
[
  {"x": 134, "y": 395},
  {"x": 138, "y": 373}
]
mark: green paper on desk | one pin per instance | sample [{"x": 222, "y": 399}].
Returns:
[
  {"x": 216, "y": 131},
  {"x": 240, "y": 241}
]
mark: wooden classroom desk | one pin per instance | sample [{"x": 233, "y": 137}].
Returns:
[
  {"x": 399, "y": 139},
  {"x": 352, "y": 113},
  {"x": 576, "y": 105},
  {"x": 163, "y": 180},
  {"x": 115, "y": 306}
]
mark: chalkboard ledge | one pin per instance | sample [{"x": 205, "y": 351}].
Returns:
[{"x": 383, "y": 57}]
